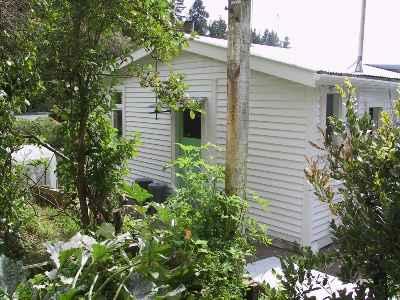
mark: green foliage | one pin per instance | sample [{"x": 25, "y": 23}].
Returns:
[
  {"x": 218, "y": 29},
  {"x": 84, "y": 269},
  {"x": 82, "y": 46},
  {"x": 171, "y": 92},
  {"x": 135, "y": 192},
  {"x": 199, "y": 241},
  {"x": 41, "y": 224},
  {"x": 366, "y": 162},
  {"x": 18, "y": 82},
  {"x": 194, "y": 246},
  {"x": 47, "y": 129},
  {"x": 198, "y": 15},
  {"x": 107, "y": 167}
]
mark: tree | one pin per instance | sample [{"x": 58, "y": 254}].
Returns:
[
  {"x": 217, "y": 29},
  {"x": 19, "y": 81},
  {"x": 366, "y": 161},
  {"x": 179, "y": 7},
  {"x": 198, "y": 15},
  {"x": 256, "y": 37},
  {"x": 273, "y": 39},
  {"x": 82, "y": 45},
  {"x": 238, "y": 97},
  {"x": 286, "y": 42},
  {"x": 265, "y": 37}
]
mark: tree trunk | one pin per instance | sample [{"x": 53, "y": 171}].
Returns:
[
  {"x": 81, "y": 180},
  {"x": 238, "y": 97}
]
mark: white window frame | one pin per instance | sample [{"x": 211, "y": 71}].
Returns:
[{"x": 119, "y": 107}]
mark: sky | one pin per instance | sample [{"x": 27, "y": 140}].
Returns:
[{"x": 327, "y": 27}]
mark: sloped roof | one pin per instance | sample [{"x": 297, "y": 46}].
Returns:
[
  {"x": 392, "y": 68},
  {"x": 305, "y": 68},
  {"x": 308, "y": 61}
]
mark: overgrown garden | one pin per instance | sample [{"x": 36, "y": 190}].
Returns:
[{"x": 107, "y": 238}]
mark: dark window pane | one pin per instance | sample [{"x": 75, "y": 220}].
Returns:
[
  {"x": 333, "y": 105},
  {"x": 375, "y": 114},
  {"x": 191, "y": 127},
  {"x": 329, "y": 113},
  {"x": 117, "y": 121}
]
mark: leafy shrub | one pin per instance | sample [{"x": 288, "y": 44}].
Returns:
[
  {"x": 194, "y": 246},
  {"x": 106, "y": 165},
  {"x": 199, "y": 241},
  {"x": 84, "y": 268},
  {"x": 367, "y": 163}
]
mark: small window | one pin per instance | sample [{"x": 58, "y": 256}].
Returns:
[
  {"x": 375, "y": 114},
  {"x": 191, "y": 127},
  {"x": 117, "y": 116},
  {"x": 333, "y": 109}
]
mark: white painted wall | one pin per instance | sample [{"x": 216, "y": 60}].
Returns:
[
  {"x": 284, "y": 117},
  {"x": 279, "y": 116},
  {"x": 280, "y": 112},
  {"x": 158, "y": 136}
]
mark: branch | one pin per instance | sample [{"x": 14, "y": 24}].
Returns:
[{"x": 47, "y": 146}]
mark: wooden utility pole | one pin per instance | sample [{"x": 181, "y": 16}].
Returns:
[{"x": 239, "y": 38}]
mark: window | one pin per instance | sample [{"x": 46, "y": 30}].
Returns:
[
  {"x": 191, "y": 127},
  {"x": 117, "y": 116},
  {"x": 375, "y": 114},
  {"x": 333, "y": 109}
]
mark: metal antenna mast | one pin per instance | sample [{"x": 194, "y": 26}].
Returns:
[{"x": 359, "y": 65}]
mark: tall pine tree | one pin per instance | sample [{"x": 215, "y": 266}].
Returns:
[
  {"x": 198, "y": 15},
  {"x": 217, "y": 29},
  {"x": 256, "y": 37},
  {"x": 179, "y": 7}
]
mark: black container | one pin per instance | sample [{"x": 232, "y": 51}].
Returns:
[
  {"x": 160, "y": 191},
  {"x": 144, "y": 182}
]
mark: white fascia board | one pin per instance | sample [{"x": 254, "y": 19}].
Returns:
[
  {"x": 135, "y": 56},
  {"x": 326, "y": 79},
  {"x": 281, "y": 70},
  {"x": 284, "y": 71},
  {"x": 260, "y": 64}
]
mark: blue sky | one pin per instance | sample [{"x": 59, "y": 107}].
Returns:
[{"x": 327, "y": 27}]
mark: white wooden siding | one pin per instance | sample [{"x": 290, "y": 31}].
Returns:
[
  {"x": 284, "y": 117},
  {"x": 157, "y": 136},
  {"x": 279, "y": 112},
  {"x": 279, "y": 116},
  {"x": 155, "y": 151},
  {"x": 367, "y": 97}
]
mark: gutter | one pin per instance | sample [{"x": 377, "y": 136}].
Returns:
[{"x": 325, "y": 77}]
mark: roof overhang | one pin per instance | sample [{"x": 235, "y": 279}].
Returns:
[
  {"x": 283, "y": 70},
  {"x": 326, "y": 78},
  {"x": 260, "y": 64}
]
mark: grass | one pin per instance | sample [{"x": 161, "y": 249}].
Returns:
[{"x": 44, "y": 224}]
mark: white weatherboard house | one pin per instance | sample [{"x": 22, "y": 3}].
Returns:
[{"x": 290, "y": 98}]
